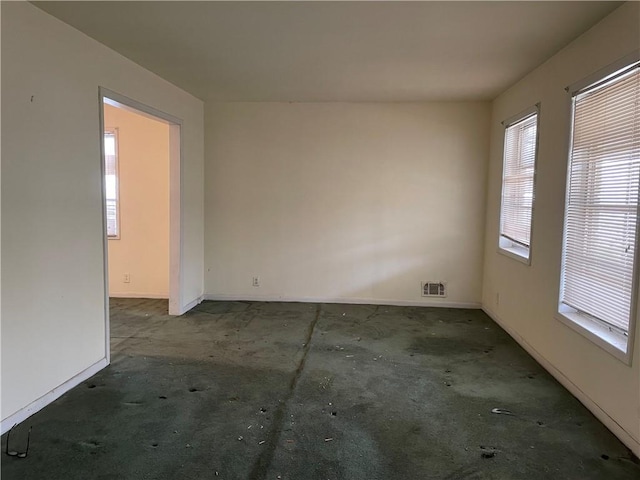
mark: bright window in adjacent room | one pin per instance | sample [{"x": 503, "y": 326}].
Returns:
[
  {"x": 518, "y": 181},
  {"x": 111, "y": 182},
  {"x": 597, "y": 292}
]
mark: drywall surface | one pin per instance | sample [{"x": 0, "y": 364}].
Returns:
[
  {"x": 345, "y": 202},
  {"x": 53, "y": 315},
  {"x": 528, "y": 295},
  {"x": 142, "y": 249}
]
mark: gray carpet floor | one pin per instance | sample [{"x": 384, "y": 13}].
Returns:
[{"x": 249, "y": 390}]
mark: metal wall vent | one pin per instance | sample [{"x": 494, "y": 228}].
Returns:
[{"x": 434, "y": 289}]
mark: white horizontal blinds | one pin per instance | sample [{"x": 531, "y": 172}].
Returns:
[
  {"x": 602, "y": 207},
  {"x": 517, "y": 180},
  {"x": 111, "y": 182}
]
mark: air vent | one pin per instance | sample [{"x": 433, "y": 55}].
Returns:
[{"x": 434, "y": 289}]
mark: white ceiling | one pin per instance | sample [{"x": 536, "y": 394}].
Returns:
[{"x": 335, "y": 51}]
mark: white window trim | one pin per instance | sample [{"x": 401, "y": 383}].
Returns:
[
  {"x": 604, "y": 337},
  {"x": 615, "y": 343},
  {"x": 114, "y": 131},
  {"x": 508, "y": 247},
  {"x": 514, "y": 250}
]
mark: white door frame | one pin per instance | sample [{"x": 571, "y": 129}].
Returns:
[{"x": 175, "y": 188}]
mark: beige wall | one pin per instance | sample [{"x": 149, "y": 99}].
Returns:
[
  {"x": 142, "y": 251},
  {"x": 528, "y": 295},
  {"x": 345, "y": 202},
  {"x": 53, "y": 316}
]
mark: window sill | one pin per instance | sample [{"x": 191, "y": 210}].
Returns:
[
  {"x": 517, "y": 252},
  {"x": 612, "y": 342}
]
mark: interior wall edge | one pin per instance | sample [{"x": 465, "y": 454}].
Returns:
[{"x": 189, "y": 305}]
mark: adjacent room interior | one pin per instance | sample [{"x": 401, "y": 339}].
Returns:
[
  {"x": 345, "y": 240},
  {"x": 137, "y": 203}
]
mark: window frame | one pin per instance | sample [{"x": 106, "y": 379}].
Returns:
[
  {"x": 507, "y": 246},
  {"x": 113, "y": 131},
  {"x": 597, "y": 331}
]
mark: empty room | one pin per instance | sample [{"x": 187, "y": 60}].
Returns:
[{"x": 320, "y": 240}]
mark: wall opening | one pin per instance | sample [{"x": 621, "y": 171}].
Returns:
[
  {"x": 140, "y": 151},
  {"x": 136, "y": 152}
]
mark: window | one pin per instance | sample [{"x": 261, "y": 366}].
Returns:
[
  {"x": 518, "y": 176},
  {"x": 111, "y": 182},
  {"x": 597, "y": 291}
]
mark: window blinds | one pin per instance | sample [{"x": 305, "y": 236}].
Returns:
[
  {"x": 111, "y": 183},
  {"x": 602, "y": 200},
  {"x": 518, "y": 178}
]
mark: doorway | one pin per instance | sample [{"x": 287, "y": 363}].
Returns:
[{"x": 141, "y": 215}]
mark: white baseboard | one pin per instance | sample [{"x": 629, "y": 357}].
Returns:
[
  {"x": 427, "y": 302},
  {"x": 37, "y": 405},
  {"x": 619, "y": 431},
  {"x": 191, "y": 304},
  {"x": 138, "y": 295}
]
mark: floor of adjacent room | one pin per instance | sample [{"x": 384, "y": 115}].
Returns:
[{"x": 249, "y": 390}]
